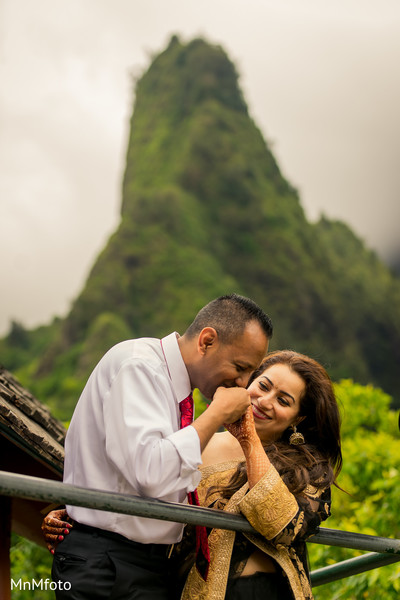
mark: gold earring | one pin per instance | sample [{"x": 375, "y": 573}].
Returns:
[{"x": 297, "y": 438}]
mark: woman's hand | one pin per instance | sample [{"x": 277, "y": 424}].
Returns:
[
  {"x": 257, "y": 461},
  {"x": 244, "y": 429},
  {"x": 54, "y": 527}
]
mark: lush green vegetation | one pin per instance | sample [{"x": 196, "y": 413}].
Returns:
[
  {"x": 370, "y": 475},
  {"x": 28, "y": 562}
]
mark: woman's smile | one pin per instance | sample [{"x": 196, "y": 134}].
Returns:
[{"x": 258, "y": 413}]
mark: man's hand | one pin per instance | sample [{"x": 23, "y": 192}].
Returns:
[
  {"x": 230, "y": 404},
  {"x": 55, "y": 527},
  {"x": 227, "y": 406}
]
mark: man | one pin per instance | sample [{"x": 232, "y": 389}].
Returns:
[{"x": 125, "y": 437}]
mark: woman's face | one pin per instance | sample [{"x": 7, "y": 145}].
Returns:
[{"x": 275, "y": 397}]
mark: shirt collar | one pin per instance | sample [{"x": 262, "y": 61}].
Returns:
[{"x": 176, "y": 367}]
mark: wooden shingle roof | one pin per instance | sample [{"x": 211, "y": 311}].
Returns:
[
  {"x": 28, "y": 424},
  {"x": 31, "y": 443}
]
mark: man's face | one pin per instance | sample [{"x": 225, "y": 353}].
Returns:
[{"x": 231, "y": 365}]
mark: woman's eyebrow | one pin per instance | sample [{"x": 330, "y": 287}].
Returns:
[{"x": 280, "y": 391}]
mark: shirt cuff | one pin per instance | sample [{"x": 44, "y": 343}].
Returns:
[{"x": 187, "y": 444}]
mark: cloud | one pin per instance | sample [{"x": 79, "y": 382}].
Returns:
[{"x": 321, "y": 79}]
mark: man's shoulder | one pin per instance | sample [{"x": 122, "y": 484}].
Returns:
[{"x": 134, "y": 350}]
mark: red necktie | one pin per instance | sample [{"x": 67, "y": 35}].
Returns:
[{"x": 202, "y": 549}]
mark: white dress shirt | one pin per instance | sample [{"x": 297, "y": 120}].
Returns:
[{"x": 124, "y": 436}]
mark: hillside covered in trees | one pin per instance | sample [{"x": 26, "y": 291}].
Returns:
[{"x": 206, "y": 211}]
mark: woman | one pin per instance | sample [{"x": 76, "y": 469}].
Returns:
[{"x": 277, "y": 477}]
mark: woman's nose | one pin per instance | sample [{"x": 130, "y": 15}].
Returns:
[{"x": 266, "y": 400}]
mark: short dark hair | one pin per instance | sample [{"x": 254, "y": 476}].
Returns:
[{"x": 228, "y": 315}]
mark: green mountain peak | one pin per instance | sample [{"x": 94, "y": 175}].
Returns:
[{"x": 206, "y": 211}]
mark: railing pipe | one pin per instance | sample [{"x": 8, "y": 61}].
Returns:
[
  {"x": 352, "y": 566},
  {"x": 356, "y": 541},
  {"x": 36, "y": 488}
]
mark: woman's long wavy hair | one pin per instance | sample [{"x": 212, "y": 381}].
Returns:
[{"x": 318, "y": 461}]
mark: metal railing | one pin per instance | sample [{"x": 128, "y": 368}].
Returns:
[{"x": 382, "y": 551}]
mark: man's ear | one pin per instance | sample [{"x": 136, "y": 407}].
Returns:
[{"x": 208, "y": 338}]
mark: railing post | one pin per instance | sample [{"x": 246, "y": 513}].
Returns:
[{"x": 5, "y": 544}]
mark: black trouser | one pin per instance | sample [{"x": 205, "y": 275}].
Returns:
[{"x": 93, "y": 564}]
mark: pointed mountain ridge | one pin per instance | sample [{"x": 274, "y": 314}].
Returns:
[{"x": 206, "y": 211}]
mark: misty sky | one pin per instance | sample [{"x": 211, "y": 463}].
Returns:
[{"x": 322, "y": 81}]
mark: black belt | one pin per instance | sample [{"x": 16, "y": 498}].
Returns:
[{"x": 159, "y": 550}]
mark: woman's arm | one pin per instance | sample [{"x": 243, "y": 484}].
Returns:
[
  {"x": 280, "y": 516},
  {"x": 269, "y": 506},
  {"x": 257, "y": 462},
  {"x": 312, "y": 510}
]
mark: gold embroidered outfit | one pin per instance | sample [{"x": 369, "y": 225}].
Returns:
[{"x": 284, "y": 521}]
